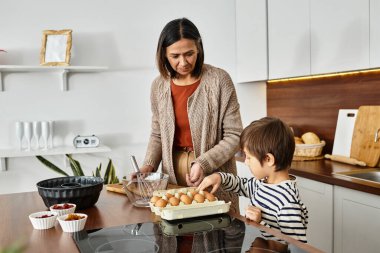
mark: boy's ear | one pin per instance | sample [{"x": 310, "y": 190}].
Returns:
[{"x": 270, "y": 160}]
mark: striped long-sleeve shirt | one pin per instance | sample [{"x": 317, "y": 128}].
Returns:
[{"x": 280, "y": 204}]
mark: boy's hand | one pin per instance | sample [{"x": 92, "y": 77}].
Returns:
[
  {"x": 213, "y": 180},
  {"x": 253, "y": 213}
]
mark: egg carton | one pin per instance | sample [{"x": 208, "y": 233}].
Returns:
[{"x": 188, "y": 211}]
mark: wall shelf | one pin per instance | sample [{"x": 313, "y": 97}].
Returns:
[
  {"x": 62, "y": 150},
  {"x": 61, "y": 70}
]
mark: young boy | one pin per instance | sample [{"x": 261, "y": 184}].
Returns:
[{"x": 268, "y": 145}]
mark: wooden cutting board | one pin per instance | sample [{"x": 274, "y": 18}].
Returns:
[
  {"x": 363, "y": 146},
  {"x": 119, "y": 187}
]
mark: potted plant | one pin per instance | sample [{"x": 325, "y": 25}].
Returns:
[{"x": 109, "y": 175}]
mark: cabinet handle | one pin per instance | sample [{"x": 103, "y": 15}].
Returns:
[{"x": 377, "y": 134}]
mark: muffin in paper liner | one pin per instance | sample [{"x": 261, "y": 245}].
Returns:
[
  {"x": 61, "y": 212},
  {"x": 43, "y": 223},
  {"x": 72, "y": 225}
]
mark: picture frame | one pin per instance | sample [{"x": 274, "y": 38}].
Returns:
[{"x": 56, "y": 47}]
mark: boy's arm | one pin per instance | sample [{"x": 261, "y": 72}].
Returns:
[
  {"x": 242, "y": 186},
  {"x": 292, "y": 221}
]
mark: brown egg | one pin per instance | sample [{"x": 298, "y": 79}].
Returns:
[
  {"x": 209, "y": 196},
  {"x": 174, "y": 201},
  {"x": 154, "y": 199},
  {"x": 193, "y": 192},
  {"x": 161, "y": 203},
  {"x": 168, "y": 195},
  {"x": 186, "y": 199},
  {"x": 180, "y": 194},
  {"x": 199, "y": 198}
]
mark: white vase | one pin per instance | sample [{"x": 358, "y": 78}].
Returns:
[
  {"x": 45, "y": 131},
  {"x": 28, "y": 133},
  {"x": 37, "y": 133},
  {"x": 19, "y": 127}
]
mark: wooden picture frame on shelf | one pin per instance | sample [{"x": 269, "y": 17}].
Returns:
[{"x": 56, "y": 47}]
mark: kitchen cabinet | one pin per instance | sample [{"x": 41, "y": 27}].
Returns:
[
  {"x": 318, "y": 198},
  {"x": 288, "y": 38},
  {"x": 61, "y": 70},
  {"x": 339, "y": 35},
  {"x": 356, "y": 221},
  {"x": 251, "y": 41},
  {"x": 243, "y": 171},
  {"x": 374, "y": 43}
]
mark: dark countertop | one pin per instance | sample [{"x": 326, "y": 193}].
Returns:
[
  {"x": 112, "y": 209},
  {"x": 324, "y": 171}
]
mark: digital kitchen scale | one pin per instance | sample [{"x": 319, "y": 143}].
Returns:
[{"x": 216, "y": 233}]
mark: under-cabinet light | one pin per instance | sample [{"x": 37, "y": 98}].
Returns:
[{"x": 341, "y": 74}]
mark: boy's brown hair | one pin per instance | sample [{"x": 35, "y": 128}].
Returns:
[{"x": 269, "y": 135}]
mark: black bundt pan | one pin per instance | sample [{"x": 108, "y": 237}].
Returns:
[{"x": 82, "y": 191}]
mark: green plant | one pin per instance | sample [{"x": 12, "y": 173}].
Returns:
[
  {"x": 16, "y": 247},
  {"x": 109, "y": 175}
]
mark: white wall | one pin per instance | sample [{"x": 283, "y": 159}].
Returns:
[{"x": 114, "y": 105}]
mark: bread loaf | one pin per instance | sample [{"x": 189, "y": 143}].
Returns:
[{"x": 310, "y": 138}]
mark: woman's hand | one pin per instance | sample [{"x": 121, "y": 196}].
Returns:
[
  {"x": 196, "y": 175},
  {"x": 213, "y": 180},
  {"x": 146, "y": 169},
  {"x": 253, "y": 213},
  {"x": 143, "y": 169}
]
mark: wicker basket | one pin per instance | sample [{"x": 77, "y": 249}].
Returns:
[{"x": 309, "y": 150}]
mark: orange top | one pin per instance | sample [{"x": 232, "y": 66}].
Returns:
[{"x": 180, "y": 95}]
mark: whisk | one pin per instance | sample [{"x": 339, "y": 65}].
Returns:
[{"x": 144, "y": 187}]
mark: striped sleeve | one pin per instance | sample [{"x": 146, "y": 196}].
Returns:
[{"x": 241, "y": 186}]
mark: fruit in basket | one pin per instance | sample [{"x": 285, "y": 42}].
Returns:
[{"x": 310, "y": 138}]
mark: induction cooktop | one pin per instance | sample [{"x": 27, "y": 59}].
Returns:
[{"x": 216, "y": 233}]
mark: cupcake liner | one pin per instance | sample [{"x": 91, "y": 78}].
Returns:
[
  {"x": 73, "y": 225},
  {"x": 43, "y": 223},
  {"x": 61, "y": 212}
]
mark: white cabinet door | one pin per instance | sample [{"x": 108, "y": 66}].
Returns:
[
  {"x": 288, "y": 38},
  {"x": 374, "y": 34},
  {"x": 339, "y": 35},
  {"x": 251, "y": 41},
  {"x": 243, "y": 171},
  {"x": 356, "y": 221},
  {"x": 318, "y": 198}
]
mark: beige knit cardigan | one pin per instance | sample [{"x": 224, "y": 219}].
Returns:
[{"x": 215, "y": 125}]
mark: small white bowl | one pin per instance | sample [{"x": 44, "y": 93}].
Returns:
[
  {"x": 72, "y": 225},
  {"x": 43, "y": 223},
  {"x": 61, "y": 212}
]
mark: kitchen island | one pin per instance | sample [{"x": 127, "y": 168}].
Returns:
[{"x": 112, "y": 209}]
